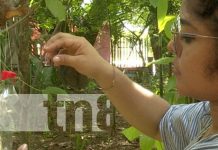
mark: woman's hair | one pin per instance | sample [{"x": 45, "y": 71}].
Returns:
[
  {"x": 205, "y": 8},
  {"x": 207, "y": 11}
]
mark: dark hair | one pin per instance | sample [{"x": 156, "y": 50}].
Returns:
[
  {"x": 207, "y": 11},
  {"x": 205, "y": 8}
]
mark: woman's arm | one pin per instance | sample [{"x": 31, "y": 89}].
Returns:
[{"x": 140, "y": 107}]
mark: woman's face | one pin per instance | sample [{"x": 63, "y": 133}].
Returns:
[{"x": 193, "y": 57}]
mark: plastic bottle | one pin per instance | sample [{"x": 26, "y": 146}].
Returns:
[{"x": 8, "y": 97}]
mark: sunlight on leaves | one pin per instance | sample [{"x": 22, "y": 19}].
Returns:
[
  {"x": 163, "y": 19},
  {"x": 159, "y": 145},
  {"x": 162, "y": 23},
  {"x": 131, "y": 133},
  {"x": 162, "y": 7},
  {"x": 146, "y": 143}
]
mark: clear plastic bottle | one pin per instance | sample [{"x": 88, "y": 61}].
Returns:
[{"x": 8, "y": 96}]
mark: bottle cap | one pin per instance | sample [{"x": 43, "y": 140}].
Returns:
[{"x": 4, "y": 75}]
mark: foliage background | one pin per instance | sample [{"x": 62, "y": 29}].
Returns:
[{"x": 48, "y": 17}]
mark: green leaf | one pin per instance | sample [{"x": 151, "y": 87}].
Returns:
[
  {"x": 53, "y": 90},
  {"x": 158, "y": 145},
  {"x": 162, "y": 61},
  {"x": 168, "y": 25},
  {"x": 131, "y": 133},
  {"x": 171, "y": 84},
  {"x": 46, "y": 74},
  {"x": 146, "y": 143},
  {"x": 162, "y": 23},
  {"x": 162, "y": 7},
  {"x": 171, "y": 96},
  {"x": 162, "y": 17},
  {"x": 57, "y": 9},
  {"x": 154, "y": 3}
]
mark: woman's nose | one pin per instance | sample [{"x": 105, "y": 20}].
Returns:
[{"x": 170, "y": 46}]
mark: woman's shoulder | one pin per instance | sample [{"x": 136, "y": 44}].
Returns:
[
  {"x": 183, "y": 122},
  {"x": 191, "y": 105},
  {"x": 188, "y": 117},
  {"x": 192, "y": 108}
]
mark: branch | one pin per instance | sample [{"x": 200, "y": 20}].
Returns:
[
  {"x": 21, "y": 20},
  {"x": 15, "y": 24}
]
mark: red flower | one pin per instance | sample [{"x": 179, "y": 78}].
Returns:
[{"x": 7, "y": 75}]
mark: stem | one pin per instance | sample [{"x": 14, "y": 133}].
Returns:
[{"x": 15, "y": 24}]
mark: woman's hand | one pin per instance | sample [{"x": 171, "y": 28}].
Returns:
[
  {"x": 77, "y": 52},
  {"x": 129, "y": 98}
]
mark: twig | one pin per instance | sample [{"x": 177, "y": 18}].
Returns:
[
  {"x": 29, "y": 85},
  {"x": 15, "y": 24},
  {"x": 21, "y": 79}
]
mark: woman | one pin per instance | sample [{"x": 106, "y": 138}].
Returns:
[{"x": 193, "y": 126}]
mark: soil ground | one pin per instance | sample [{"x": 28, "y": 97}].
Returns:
[{"x": 107, "y": 140}]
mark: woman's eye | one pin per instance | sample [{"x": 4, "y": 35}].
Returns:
[{"x": 187, "y": 39}]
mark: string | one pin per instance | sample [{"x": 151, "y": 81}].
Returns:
[
  {"x": 6, "y": 30},
  {"x": 21, "y": 79}
]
